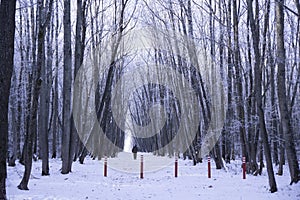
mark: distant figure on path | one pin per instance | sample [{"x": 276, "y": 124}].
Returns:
[{"x": 134, "y": 151}]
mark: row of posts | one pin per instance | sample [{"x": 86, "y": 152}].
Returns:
[
  {"x": 209, "y": 167},
  {"x": 176, "y": 167}
]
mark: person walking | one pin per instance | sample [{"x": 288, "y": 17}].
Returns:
[{"x": 134, "y": 151}]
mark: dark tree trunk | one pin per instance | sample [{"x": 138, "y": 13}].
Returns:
[
  {"x": 239, "y": 83},
  {"x": 285, "y": 115},
  {"x": 67, "y": 154},
  {"x": 55, "y": 90},
  {"x": 7, "y": 38},
  {"x": 253, "y": 131},
  {"x": 261, "y": 158},
  {"x": 78, "y": 57},
  {"x": 230, "y": 111},
  {"x": 282, "y": 152}
]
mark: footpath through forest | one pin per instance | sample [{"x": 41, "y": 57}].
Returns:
[{"x": 123, "y": 181}]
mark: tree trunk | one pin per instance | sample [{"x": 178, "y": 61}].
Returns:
[
  {"x": 12, "y": 137},
  {"x": 274, "y": 124},
  {"x": 46, "y": 73},
  {"x": 282, "y": 152},
  {"x": 261, "y": 158},
  {"x": 239, "y": 83},
  {"x": 55, "y": 89},
  {"x": 253, "y": 131},
  {"x": 7, "y": 36},
  {"x": 43, "y": 115},
  {"x": 67, "y": 157},
  {"x": 79, "y": 52},
  {"x": 230, "y": 112},
  {"x": 285, "y": 115},
  {"x": 216, "y": 150}
]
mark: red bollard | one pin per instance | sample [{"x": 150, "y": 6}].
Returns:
[
  {"x": 244, "y": 168},
  {"x": 142, "y": 167},
  {"x": 176, "y": 165},
  {"x": 105, "y": 166},
  {"x": 208, "y": 165}
]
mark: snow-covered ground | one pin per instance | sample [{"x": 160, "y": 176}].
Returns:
[{"x": 87, "y": 182}]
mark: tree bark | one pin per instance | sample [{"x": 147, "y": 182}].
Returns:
[
  {"x": 12, "y": 137},
  {"x": 55, "y": 89},
  {"x": 285, "y": 116},
  {"x": 7, "y": 36},
  {"x": 239, "y": 82},
  {"x": 282, "y": 152},
  {"x": 274, "y": 123},
  {"x": 78, "y": 57},
  {"x": 230, "y": 111},
  {"x": 67, "y": 155}
]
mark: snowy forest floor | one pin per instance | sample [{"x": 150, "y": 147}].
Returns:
[{"x": 87, "y": 182}]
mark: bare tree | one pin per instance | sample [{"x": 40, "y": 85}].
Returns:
[
  {"x": 7, "y": 38},
  {"x": 55, "y": 111},
  {"x": 78, "y": 60},
  {"x": 67, "y": 154},
  {"x": 46, "y": 72},
  {"x": 285, "y": 115},
  {"x": 239, "y": 81}
]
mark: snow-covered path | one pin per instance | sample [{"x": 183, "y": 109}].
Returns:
[{"x": 87, "y": 182}]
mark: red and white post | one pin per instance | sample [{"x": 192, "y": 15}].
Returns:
[
  {"x": 176, "y": 165},
  {"x": 208, "y": 167},
  {"x": 142, "y": 167},
  {"x": 105, "y": 167},
  {"x": 244, "y": 167}
]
